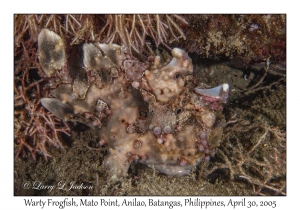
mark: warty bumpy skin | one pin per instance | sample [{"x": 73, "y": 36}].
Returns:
[{"x": 146, "y": 112}]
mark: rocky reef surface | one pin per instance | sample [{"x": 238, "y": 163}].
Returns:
[{"x": 149, "y": 112}]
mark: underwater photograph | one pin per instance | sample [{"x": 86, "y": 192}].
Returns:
[{"x": 149, "y": 104}]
